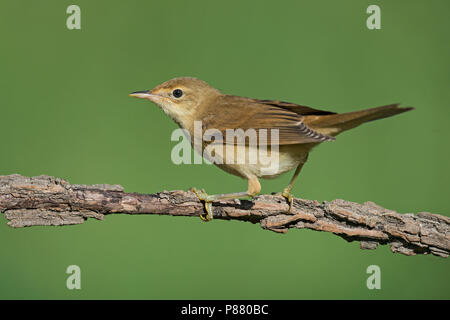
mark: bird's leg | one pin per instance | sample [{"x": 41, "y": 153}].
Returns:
[
  {"x": 253, "y": 189},
  {"x": 286, "y": 193}
]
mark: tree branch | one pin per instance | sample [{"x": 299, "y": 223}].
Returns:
[{"x": 45, "y": 201}]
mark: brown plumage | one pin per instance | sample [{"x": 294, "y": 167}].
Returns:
[{"x": 300, "y": 128}]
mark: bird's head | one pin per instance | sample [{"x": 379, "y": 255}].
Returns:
[{"x": 180, "y": 98}]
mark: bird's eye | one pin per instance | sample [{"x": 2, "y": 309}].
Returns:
[{"x": 177, "y": 93}]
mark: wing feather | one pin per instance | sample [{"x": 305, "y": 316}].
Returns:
[{"x": 285, "y": 117}]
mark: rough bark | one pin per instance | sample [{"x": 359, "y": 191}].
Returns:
[{"x": 48, "y": 201}]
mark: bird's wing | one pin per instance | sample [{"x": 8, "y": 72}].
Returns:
[
  {"x": 245, "y": 114},
  {"x": 296, "y": 108}
]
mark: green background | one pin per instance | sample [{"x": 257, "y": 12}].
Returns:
[{"x": 65, "y": 111}]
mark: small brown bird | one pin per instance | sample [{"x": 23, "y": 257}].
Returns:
[{"x": 299, "y": 129}]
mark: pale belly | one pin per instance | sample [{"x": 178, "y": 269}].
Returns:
[{"x": 288, "y": 157}]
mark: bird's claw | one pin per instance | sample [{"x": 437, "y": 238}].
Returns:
[
  {"x": 206, "y": 199},
  {"x": 288, "y": 196}
]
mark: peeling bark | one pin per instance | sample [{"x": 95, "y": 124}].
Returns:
[{"x": 48, "y": 201}]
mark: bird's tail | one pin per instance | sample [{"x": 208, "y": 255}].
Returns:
[{"x": 334, "y": 124}]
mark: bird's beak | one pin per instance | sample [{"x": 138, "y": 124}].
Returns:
[
  {"x": 147, "y": 94},
  {"x": 141, "y": 94}
]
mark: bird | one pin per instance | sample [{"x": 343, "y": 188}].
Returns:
[{"x": 298, "y": 130}]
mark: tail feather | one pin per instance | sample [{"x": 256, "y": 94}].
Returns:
[{"x": 334, "y": 124}]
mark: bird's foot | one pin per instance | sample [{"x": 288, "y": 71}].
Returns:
[
  {"x": 286, "y": 193},
  {"x": 207, "y": 200},
  {"x": 289, "y": 197}
]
